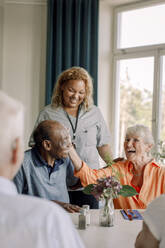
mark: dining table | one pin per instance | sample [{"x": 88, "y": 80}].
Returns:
[{"x": 122, "y": 235}]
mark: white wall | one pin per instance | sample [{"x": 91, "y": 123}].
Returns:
[
  {"x": 1, "y": 40},
  {"x": 22, "y": 56},
  {"x": 105, "y": 62}
]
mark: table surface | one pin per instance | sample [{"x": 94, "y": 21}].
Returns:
[{"x": 122, "y": 234}]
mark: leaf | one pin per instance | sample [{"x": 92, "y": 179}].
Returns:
[
  {"x": 127, "y": 191},
  {"x": 108, "y": 159},
  {"x": 88, "y": 189},
  {"x": 117, "y": 174}
]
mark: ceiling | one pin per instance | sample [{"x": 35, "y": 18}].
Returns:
[{"x": 120, "y": 2}]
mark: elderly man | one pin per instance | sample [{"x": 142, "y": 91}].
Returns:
[
  {"x": 26, "y": 221},
  {"x": 47, "y": 170}
]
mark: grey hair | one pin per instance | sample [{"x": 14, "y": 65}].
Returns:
[
  {"x": 11, "y": 125},
  {"x": 141, "y": 131}
]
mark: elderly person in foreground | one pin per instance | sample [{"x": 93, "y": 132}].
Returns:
[
  {"x": 153, "y": 230},
  {"x": 26, "y": 221},
  {"x": 139, "y": 170}
]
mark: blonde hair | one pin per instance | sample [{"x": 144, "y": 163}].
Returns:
[
  {"x": 11, "y": 125},
  {"x": 74, "y": 73}
]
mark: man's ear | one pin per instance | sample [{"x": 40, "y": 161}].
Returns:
[{"x": 46, "y": 145}]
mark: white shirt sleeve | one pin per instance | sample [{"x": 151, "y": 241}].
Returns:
[
  {"x": 154, "y": 217},
  {"x": 63, "y": 233}
]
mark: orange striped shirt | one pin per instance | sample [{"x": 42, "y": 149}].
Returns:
[{"x": 153, "y": 182}]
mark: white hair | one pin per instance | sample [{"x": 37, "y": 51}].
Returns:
[
  {"x": 141, "y": 131},
  {"x": 11, "y": 125}
]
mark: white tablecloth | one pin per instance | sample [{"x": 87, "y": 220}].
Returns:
[{"x": 121, "y": 235}]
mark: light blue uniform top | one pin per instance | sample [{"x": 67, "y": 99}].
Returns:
[{"x": 91, "y": 132}]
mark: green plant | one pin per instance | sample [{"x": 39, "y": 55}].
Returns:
[{"x": 109, "y": 187}]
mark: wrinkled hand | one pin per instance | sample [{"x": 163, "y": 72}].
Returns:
[
  {"x": 68, "y": 207},
  {"x": 71, "y": 208}
]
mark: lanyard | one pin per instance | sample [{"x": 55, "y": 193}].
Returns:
[{"x": 74, "y": 128}]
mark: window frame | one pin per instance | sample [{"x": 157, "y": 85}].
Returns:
[{"x": 155, "y": 51}]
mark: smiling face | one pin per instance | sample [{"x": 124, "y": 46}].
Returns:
[
  {"x": 73, "y": 93},
  {"x": 60, "y": 143},
  {"x": 64, "y": 145},
  {"x": 135, "y": 148}
]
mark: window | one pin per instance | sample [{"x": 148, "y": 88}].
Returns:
[
  {"x": 136, "y": 94},
  {"x": 141, "y": 27},
  {"x": 162, "y": 132},
  {"x": 139, "y": 70}
]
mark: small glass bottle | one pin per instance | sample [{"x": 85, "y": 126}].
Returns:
[
  {"x": 82, "y": 219},
  {"x": 107, "y": 213},
  {"x": 88, "y": 216}
]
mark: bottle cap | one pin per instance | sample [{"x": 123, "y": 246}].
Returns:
[{"x": 87, "y": 207}]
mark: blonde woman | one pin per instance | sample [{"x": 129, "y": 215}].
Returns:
[{"x": 72, "y": 105}]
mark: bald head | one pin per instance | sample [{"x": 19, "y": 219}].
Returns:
[
  {"x": 52, "y": 139},
  {"x": 47, "y": 130}
]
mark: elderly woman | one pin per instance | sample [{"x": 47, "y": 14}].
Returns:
[
  {"x": 139, "y": 170},
  {"x": 153, "y": 230},
  {"x": 72, "y": 105}
]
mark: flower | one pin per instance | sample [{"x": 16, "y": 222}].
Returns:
[
  {"x": 106, "y": 188},
  {"x": 109, "y": 187}
]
